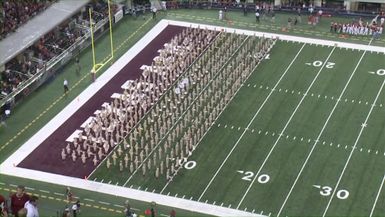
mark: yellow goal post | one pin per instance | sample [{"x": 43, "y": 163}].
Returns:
[{"x": 97, "y": 66}]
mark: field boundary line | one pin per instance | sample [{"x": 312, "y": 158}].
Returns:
[
  {"x": 255, "y": 115},
  {"x": 321, "y": 132},
  {"x": 33, "y": 142},
  {"x": 286, "y": 125},
  {"x": 354, "y": 147},
  {"x": 290, "y": 38}
]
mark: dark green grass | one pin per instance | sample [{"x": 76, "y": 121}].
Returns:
[{"x": 289, "y": 154}]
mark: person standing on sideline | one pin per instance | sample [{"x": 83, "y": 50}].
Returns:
[
  {"x": 77, "y": 66},
  {"x": 18, "y": 200},
  {"x": 65, "y": 84},
  {"x": 127, "y": 209},
  {"x": 257, "y": 16},
  {"x": 93, "y": 75},
  {"x": 220, "y": 15},
  {"x": 172, "y": 213},
  {"x": 31, "y": 207},
  {"x": 154, "y": 13}
]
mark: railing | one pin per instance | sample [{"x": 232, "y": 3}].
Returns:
[{"x": 51, "y": 66}]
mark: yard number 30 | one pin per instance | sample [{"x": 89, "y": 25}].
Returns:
[{"x": 327, "y": 191}]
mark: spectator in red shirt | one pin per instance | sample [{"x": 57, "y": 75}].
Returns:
[
  {"x": 3, "y": 207},
  {"x": 18, "y": 200}
]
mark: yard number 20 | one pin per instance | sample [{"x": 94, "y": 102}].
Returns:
[
  {"x": 319, "y": 63},
  {"x": 248, "y": 176}
]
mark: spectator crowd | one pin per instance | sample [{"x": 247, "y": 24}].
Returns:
[{"x": 15, "y": 13}]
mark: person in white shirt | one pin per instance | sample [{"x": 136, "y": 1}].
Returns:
[
  {"x": 154, "y": 13},
  {"x": 65, "y": 83},
  {"x": 31, "y": 207},
  {"x": 220, "y": 15}
]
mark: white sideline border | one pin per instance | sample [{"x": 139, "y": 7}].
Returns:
[{"x": 8, "y": 168}]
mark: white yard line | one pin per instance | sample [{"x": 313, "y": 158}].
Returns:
[
  {"x": 284, "y": 128},
  {"x": 58, "y": 194},
  {"x": 248, "y": 125},
  {"x": 378, "y": 195},
  {"x": 105, "y": 203},
  {"x": 354, "y": 147},
  {"x": 196, "y": 98},
  {"x": 44, "y": 191},
  {"x": 320, "y": 134}
]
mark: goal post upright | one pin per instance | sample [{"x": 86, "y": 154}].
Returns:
[
  {"x": 110, "y": 21},
  {"x": 97, "y": 66},
  {"x": 92, "y": 39}
]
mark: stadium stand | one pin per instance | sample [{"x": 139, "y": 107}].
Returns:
[{"x": 16, "y": 13}]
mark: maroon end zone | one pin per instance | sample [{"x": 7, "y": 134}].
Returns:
[{"x": 47, "y": 158}]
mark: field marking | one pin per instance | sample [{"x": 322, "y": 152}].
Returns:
[
  {"x": 161, "y": 97},
  {"x": 320, "y": 134},
  {"x": 378, "y": 194},
  {"x": 294, "y": 137},
  {"x": 249, "y": 124},
  {"x": 196, "y": 98},
  {"x": 44, "y": 191},
  {"x": 355, "y": 144},
  {"x": 212, "y": 124},
  {"x": 286, "y": 125},
  {"x": 320, "y": 96}
]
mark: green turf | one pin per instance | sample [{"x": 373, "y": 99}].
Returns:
[
  {"x": 290, "y": 150},
  {"x": 362, "y": 177}
]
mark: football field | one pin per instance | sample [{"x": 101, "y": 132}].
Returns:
[{"x": 303, "y": 136}]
